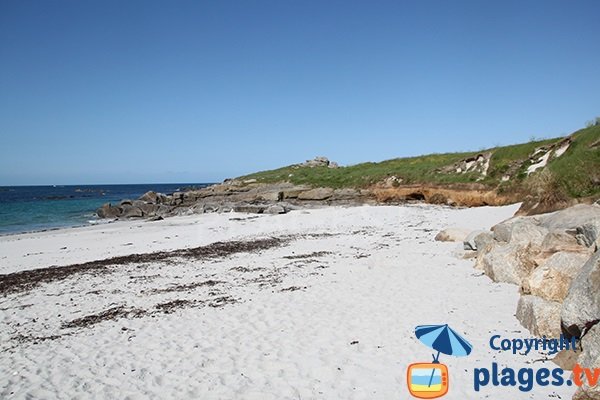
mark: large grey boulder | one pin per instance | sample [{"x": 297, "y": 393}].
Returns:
[
  {"x": 502, "y": 231},
  {"x": 191, "y": 196},
  {"x": 482, "y": 241},
  {"x": 316, "y": 194},
  {"x": 270, "y": 196},
  {"x": 248, "y": 197},
  {"x": 153, "y": 197},
  {"x": 510, "y": 263},
  {"x": 249, "y": 208},
  {"x": 345, "y": 194},
  {"x": 588, "y": 234},
  {"x": 522, "y": 230},
  {"x": 197, "y": 208},
  {"x": 590, "y": 358},
  {"x": 176, "y": 199},
  {"x": 452, "y": 235},
  {"x": 570, "y": 218},
  {"x": 515, "y": 250},
  {"x": 130, "y": 211},
  {"x": 163, "y": 210},
  {"x": 210, "y": 207},
  {"x": 559, "y": 240},
  {"x": 148, "y": 210},
  {"x": 541, "y": 317},
  {"x": 586, "y": 392},
  {"x": 109, "y": 211},
  {"x": 566, "y": 359},
  {"x": 292, "y": 193},
  {"x": 581, "y": 307},
  {"x": 138, "y": 203},
  {"x": 470, "y": 244},
  {"x": 319, "y": 161},
  {"x": 274, "y": 209},
  {"x": 225, "y": 208},
  {"x": 526, "y": 232},
  {"x": 590, "y": 344},
  {"x": 552, "y": 279},
  {"x": 149, "y": 197}
]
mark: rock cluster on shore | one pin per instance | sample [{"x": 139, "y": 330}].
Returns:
[
  {"x": 555, "y": 260},
  {"x": 233, "y": 195}
]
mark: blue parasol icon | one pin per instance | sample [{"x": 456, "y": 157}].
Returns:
[{"x": 443, "y": 339}]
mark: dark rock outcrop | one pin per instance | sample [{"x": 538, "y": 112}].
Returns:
[
  {"x": 541, "y": 317},
  {"x": 246, "y": 196},
  {"x": 316, "y": 194},
  {"x": 109, "y": 211},
  {"x": 131, "y": 211},
  {"x": 319, "y": 162},
  {"x": 581, "y": 308}
]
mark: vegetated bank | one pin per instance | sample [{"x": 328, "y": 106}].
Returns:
[{"x": 545, "y": 175}]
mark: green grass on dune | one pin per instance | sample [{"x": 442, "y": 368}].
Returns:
[
  {"x": 577, "y": 171},
  {"x": 505, "y": 156},
  {"x": 412, "y": 170}
]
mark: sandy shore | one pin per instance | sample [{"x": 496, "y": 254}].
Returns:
[{"x": 316, "y": 304}]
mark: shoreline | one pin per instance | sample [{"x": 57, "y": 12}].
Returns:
[
  {"x": 58, "y": 228},
  {"x": 105, "y": 221},
  {"x": 61, "y": 253},
  {"x": 29, "y": 209}
]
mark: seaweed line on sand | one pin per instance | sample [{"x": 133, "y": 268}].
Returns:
[
  {"x": 110, "y": 314},
  {"x": 26, "y": 280}
]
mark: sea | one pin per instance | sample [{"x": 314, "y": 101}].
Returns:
[{"x": 36, "y": 208}]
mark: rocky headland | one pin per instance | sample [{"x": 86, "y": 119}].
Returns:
[
  {"x": 278, "y": 198},
  {"x": 233, "y": 195},
  {"x": 545, "y": 175}
]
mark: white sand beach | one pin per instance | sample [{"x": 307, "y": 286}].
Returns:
[{"x": 322, "y": 306}]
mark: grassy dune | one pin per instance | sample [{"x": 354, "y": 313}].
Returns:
[{"x": 576, "y": 173}]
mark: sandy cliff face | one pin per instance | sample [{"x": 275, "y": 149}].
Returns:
[{"x": 473, "y": 195}]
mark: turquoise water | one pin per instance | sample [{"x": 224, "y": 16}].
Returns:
[
  {"x": 32, "y": 208},
  {"x": 422, "y": 376},
  {"x": 424, "y": 380}
]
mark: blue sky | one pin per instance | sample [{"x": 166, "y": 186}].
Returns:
[{"x": 192, "y": 91}]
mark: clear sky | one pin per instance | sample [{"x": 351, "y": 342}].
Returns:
[{"x": 191, "y": 91}]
